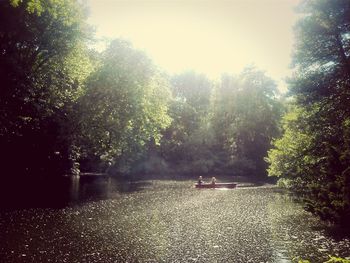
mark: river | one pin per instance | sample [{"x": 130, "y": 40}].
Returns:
[{"x": 102, "y": 220}]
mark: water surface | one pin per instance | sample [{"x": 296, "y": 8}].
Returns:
[{"x": 166, "y": 221}]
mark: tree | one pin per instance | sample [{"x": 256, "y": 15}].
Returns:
[
  {"x": 222, "y": 128},
  {"x": 314, "y": 151},
  {"x": 43, "y": 65},
  {"x": 245, "y": 118},
  {"x": 185, "y": 143},
  {"x": 124, "y": 107}
]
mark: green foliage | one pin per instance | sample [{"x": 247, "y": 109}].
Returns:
[
  {"x": 337, "y": 260},
  {"x": 284, "y": 183},
  {"x": 66, "y": 10},
  {"x": 186, "y": 143},
  {"x": 332, "y": 259},
  {"x": 245, "y": 118},
  {"x": 43, "y": 65},
  {"x": 314, "y": 150},
  {"x": 65, "y": 108},
  {"x": 124, "y": 107},
  {"x": 291, "y": 151},
  {"x": 221, "y": 128}
]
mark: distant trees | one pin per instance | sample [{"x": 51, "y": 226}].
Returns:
[
  {"x": 184, "y": 144},
  {"x": 245, "y": 117},
  {"x": 314, "y": 153},
  {"x": 224, "y": 127},
  {"x": 66, "y": 108}
]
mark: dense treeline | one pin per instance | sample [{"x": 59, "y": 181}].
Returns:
[
  {"x": 62, "y": 104},
  {"x": 43, "y": 65},
  {"x": 66, "y": 108},
  {"x": 313, "y": 156},
  {"x": 223, "y": 127}
]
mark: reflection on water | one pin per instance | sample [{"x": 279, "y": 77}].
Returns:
[
  {"x": 90, "y": 188},
  {"x": 102, "y": 220},
  {"x": 62, "y": 192}
]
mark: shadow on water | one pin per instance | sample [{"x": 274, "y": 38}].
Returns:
[
  {"x": 63, "y": 191},
  {"x": 58, "y": 192},
  {"x": 337, "y": 233}
]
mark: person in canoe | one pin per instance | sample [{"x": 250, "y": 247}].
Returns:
[
  {"x": 213, "y": 180},
  {"x": 200, "y": 180}
]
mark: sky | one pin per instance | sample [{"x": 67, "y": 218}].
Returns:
[{"x": 208, "y": 36}]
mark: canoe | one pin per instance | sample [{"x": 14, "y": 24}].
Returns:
[{"x": 216, "y": 185}]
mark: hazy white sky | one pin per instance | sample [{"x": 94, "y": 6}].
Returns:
[{"x": 209, "y": 36}]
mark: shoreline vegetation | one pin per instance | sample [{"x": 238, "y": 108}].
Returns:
[
  {"x": 67, "y": 109},
  {"x": 331, "y": 260}
]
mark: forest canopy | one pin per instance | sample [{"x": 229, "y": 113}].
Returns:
[{"x": 67, "y": 108}]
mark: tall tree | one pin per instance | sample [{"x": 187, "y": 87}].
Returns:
[
  {"x": 314, "y": 151},
  {"x": 125, "y": 106},
  {"x": 42, "y": 68}
]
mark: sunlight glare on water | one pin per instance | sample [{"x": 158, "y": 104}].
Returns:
[{"x": 168, "y": 221}]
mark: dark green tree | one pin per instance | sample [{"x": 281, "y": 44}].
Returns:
[
  {"x": 314, "y": 151},
  {"x": 43, "y": 65}
]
